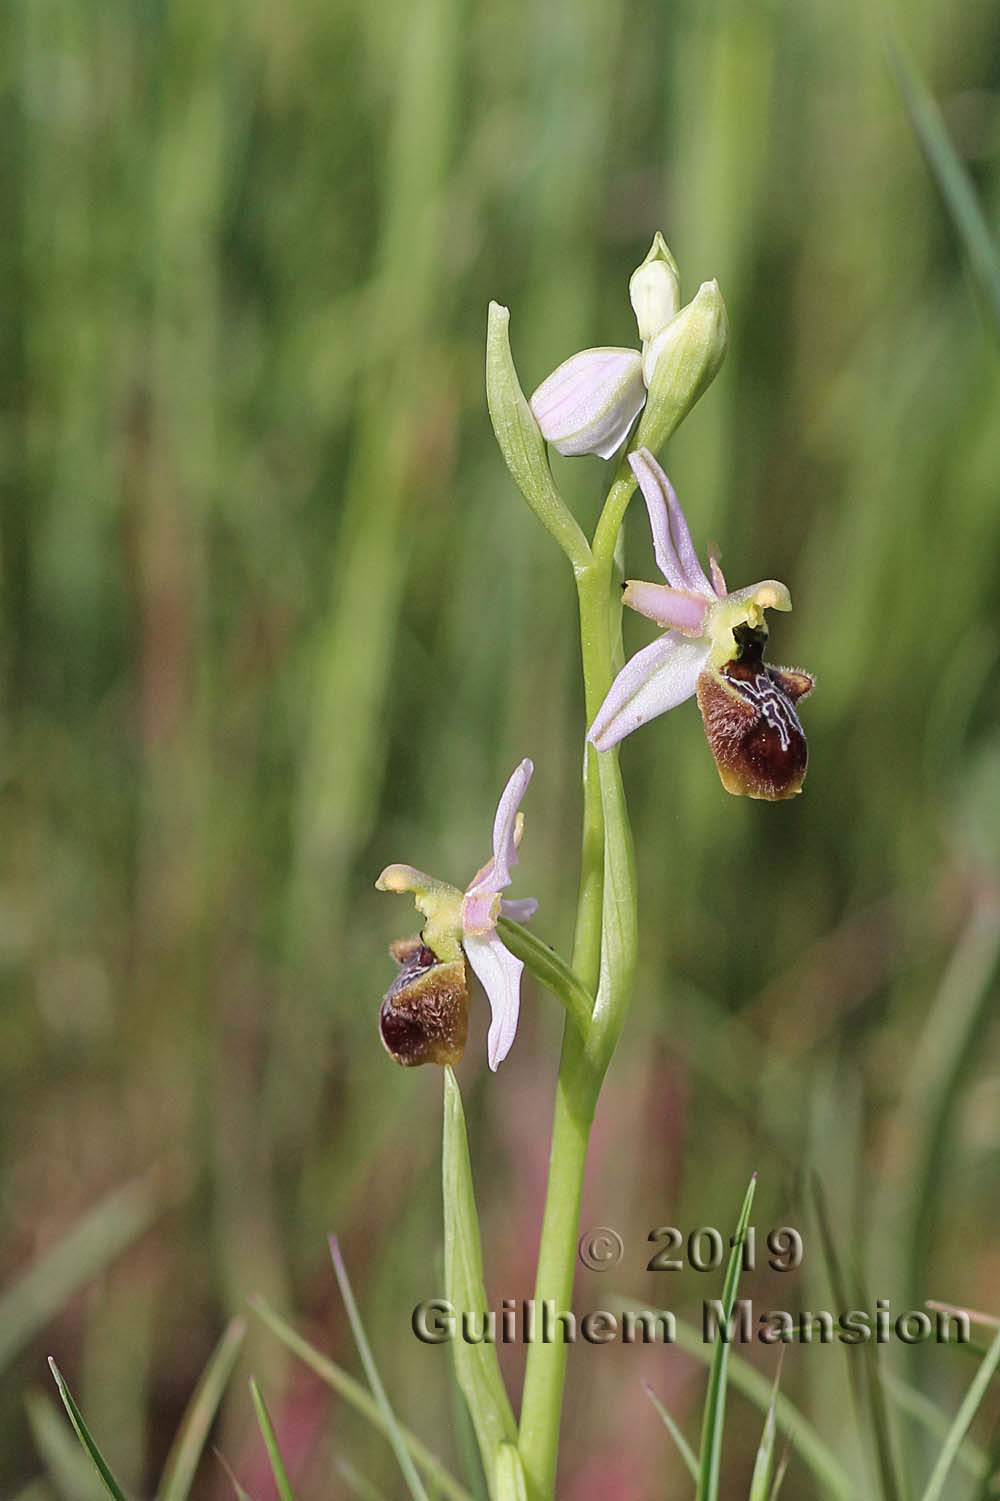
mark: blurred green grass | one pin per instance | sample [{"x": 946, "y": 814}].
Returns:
[{"x": 273, "y": 615}]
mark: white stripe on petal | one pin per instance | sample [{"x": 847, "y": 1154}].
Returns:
[
  {"x": 499, "y": 973},
  {"x": 656, "y": 679}
]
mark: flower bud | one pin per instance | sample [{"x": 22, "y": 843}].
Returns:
[
  {"x": 654, "y": 289},
  {"x": 680, "y": 363},
  {"x": 425, "y": 1012},
  {"x": 589, "y": 403},
  {"x": 753, "y": 728}
]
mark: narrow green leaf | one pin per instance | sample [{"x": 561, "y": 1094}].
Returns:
[
  {"x": 950, "y": 177},
  {"x": 355, "y": 1395},
  {"x": 762, "y": 1480},
  {"x": 476, "y": 1365},
  {"x": 186, "y": 1450},
  {"x": 871, "y": 1393},
  {"x": 65, "y": 1462},
  {"x": 710, "y": 1460},
  {"x": 779, "y": 1479},
  {"x": 553, "y": 972},
  {"x": 683, "y": 1447},
  {"x": 810, "y": 1447},
  {"x": 84, "y": 1435},
  {"x": 94, "y": 1241},
  {"x": 522, "y": 444},
  {"x": 963, "y": 1420},
  {"x": 406, "y": 1465},
  {"x": 271, "y": 1444}
]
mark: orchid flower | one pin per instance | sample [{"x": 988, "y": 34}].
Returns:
[
  {"x": 713, "y": 648},
  {"x": 588, "y": 404},
  {"x": 424, "y": 1014}
]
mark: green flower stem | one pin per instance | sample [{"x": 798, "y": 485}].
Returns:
[
  {"x": 554, "y": 973},
  {"x": 603, "y": 957}
]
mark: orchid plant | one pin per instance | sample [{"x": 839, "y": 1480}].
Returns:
[{"x": 605, "y": 402}]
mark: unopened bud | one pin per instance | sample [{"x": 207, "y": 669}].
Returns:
[
  {"x": 654, "y": 290},
  {"x": 681, "y": 362}
]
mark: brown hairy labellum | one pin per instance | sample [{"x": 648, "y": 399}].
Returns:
[
  {"x": 753, "y": 727},
  {"x": 425, "y": 1012}
]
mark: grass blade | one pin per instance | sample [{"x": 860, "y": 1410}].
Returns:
[
  {"x": 963, "y": 1420},
  {"x": 354, "y": 1393},
  {"x": 710, "y": 1460},
  {"x": 413, "y": 1482},
  {"x": 186, "y": 1450},
  {"x": 271, "y": 1444},
  {"x": 809, "y": 1445},
  {"x": 878, "y": 1425},
  {"x": 95, "y": 1240},
  {"x": 683, "y": 1447},
  {"x": 762, "y": 1482},
  {"x": 951, "y": 178},
  {"x": 84, "y": 1435},
  {"x": 65, "y": 1462}
]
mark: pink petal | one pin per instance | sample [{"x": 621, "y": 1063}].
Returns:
[
  {"x": 656, "y": 679},
  {"x": 589, "y": 403},
  {"x": 673, "y": 609},
  {"x": 675, "y": 554},
  {"x": 499, "y": 973},
  {"x": 520, "y": 909},
  {"x": 495, "y": 874}
]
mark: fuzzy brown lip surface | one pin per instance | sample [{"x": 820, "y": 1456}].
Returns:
[{"x": 753, "y": 728}]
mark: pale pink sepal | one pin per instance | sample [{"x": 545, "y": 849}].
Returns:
[
  {"x": 656, "y": 679},
  {"x": 499, "y": 973},
  {"x": 495, "y": 874},
  {"x": 589, "y": 403},
  {"x": 673, "y": 609},
  {"x": 675, "y": 552}
]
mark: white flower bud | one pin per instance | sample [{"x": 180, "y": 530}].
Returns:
[
  {"x": 589, "y": 403},
  {"x": 700, "y": 327},
  {"x": 654, "y": 290}
]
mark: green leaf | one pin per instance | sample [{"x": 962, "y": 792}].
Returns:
[
  {"x": 271, "y": 1444},
  {"x": 710, "y": 1460},
  {"x": 476, "y": 1365},
  {"x": 406, "y": 1465},
  {"x": 84, "y": 1435},
  {"x": 66, "y": 1463},
  {"x": 951, "y": 178},
  {"x": 810, "y": 1447},
  {"x": 962, "y": 1423},
  {"x": 683, "y": 1447},
  {"x": 522, "y": 444},
  {"x": 95, "y": 1240},
  {"x": 355, "y": 1395},
  {"x": 186, "y": 1450}
]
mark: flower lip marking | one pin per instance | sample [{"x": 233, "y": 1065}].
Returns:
[
  {"x": 424, "y": 1016},
  {"x": 751, "y": 721},
  {"x": 712, "y": 646}
]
